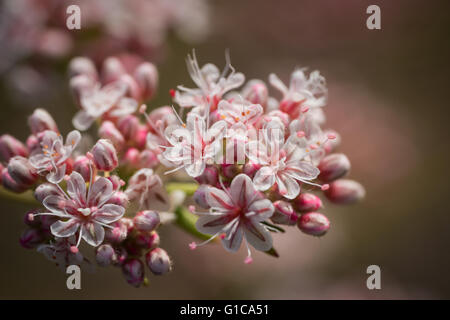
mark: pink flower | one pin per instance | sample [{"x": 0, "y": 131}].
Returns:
[
  {"x": 194, "y": 145},
  {"x": 147, "y": 188},
  {"x": 51, "y": 161},
  {"x": 283, "y": 162},
  {"x": 211, "y": 85},
  {"x": 83, "y": 211},
  {"x": 239, "y": 112},
  {"x": 60, "y": 252},
  {"x": 237, "y": 213}
]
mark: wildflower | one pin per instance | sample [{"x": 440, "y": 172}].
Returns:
[
  {"x": 238, "y": 213},
  {"x": 303, "y": 91},
  {"x": 239, "y": 112},
  {"x": 104, "y": 155},
  {"x": 345, "y": 191},
  {"x": 195, "y": 145},
  {"x": 60, "y": 251},
  {"x": 41, "y": 121},
  {"x": 105, "y": 255},
  {"x": 84, "y": 211},
  {"x": 51, "y": 162},
  {"x": 333, "y": 166},
  {"x": 211, "y": 85},
  {"x": 307, "y": 202},
  {"x": 313, "y": 223},
  {"x": 147, "y": 188},
  {"x": 21, "y": 171},
  {"x": 146, "y": 220},
  {"x": 133, "y": 271},
  {"x": 158, "y": 261}
]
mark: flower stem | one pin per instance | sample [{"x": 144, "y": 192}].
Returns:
[
  {"x": 188, "y": 187},
  {"x": 186, "y": 221}
]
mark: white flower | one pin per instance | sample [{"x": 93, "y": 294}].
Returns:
[
  {"x": 194, "y": 145},
  {"x": 147, "y": 187},
  {"x": 237, "y": 214},
  {"x": 283, "y": 162},
  {"x": 211, "y": 85},
  {"x": 51, "y": 161},
  {"x": 239, "y": 112}
]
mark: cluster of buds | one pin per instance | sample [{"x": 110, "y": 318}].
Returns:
[{"x": 257, "y": 164}]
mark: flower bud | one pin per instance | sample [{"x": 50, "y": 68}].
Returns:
[
  {"x": 104, "y": 155},
  {"x": 200, "y": 196},
  {"x": 11, "y": 147},
  {"x": 148, "y": 241},
  {"x": 250, "y": 169},
  {"x": 146, "y": 76},
  {"x": 133, "y": 271},
  {"x": 229, "y": 170},
  {"x": 82, "y": 166},
  {"x": 105, "y": 255},
  {"x": 132, "y": 88},
  {"x": 209, "y": 176},
  {"x": 82, "y": 66},
  {"x": 33, "y": 144},
  {"x": 11, "y": 184},
  {"x": 256, "y": 92},
  {"x": 131, "y": 157},
  {"x": 313, "y": 223},
  {"x": 307, "y": 202},
  {"x": 119, "y": 198},
  {"x": 46, "y": 189},
  {"x": 333, "y": 166},
  {"x": 112, "y": 69},
  {"x": 146, "y": 220},
  {"x": 345, "y": 191},
  {"x": 41, "y": 121},
  {"x": 158, "y": 261},
  {"x": 128, "y": 126},
  {"x": 284, "y": 213},
  {"x": 148, "y": 159},
  {"x": 31, "y": 238},
  {"x": 118, "y": 233},
  {"x": 140, "y": 138},
  {"x": 109, "y": 131},
  {"x": 20, "y": 170},
  {"x": 47, "y": 221}
]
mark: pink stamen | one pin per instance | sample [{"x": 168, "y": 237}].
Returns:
[
  {"x": 304, "y": 109},
  {"x": 143, "y": 108},
  {"x": 191, "y": 209},
  {"x": 248, "y": 260},
  {"x": 300, "y": 134},
  {"x": 325, "y": 187},
  {"x": 30, "y": 217},
  {"x": 74, "y": 249},
  {"x": 172, "y": 93},
  {"x": 331, "y": 136},
  {"x": 192, "y": 246}
]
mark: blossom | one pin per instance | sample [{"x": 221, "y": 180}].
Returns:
[
  {"x": 239, "y": 112},
  {"x": 84, "y": 211},
  {"x": 310, "y": 92},
  {"x": 194, "y": 145},
  {"x": 147, "y": 188},
  {"x": 283, "y": 162},
  {"x": 60, "y": 252},
  {"x": 101, "y": 100},
  {"x": 238, "y": 213},
  {"x": 54, "y": 153},
  {"x": 211, "y": 85}
]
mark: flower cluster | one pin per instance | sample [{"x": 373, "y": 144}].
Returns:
[{"x": 256, "y": 163}]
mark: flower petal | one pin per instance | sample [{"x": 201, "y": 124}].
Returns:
[
  {"x": 263, "y": 208},
  {"x": 287, "y": 186},
  {"x": 93, "y": 233},
  {"x": 233, "y": 239},
  {"x": 264, "y": 178},
  {"x": 242, "y": 191},
  {"x": 56, "y": 205},
  {"x": 109, "y": 213},
  {"x": 64, "y": 229},
  {"x": 57, "y": 174},
  {"x": 100, "y": 192},
  {"x": 76, "y": 188},
  {"x": 217, "y": 198},
  {"x": 211, "y": 224},
  {"x": 82, "y": 120},
  {"x": 257, "y": 235}
]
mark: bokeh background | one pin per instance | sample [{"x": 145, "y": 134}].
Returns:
[{"x": 388, "y": 98}]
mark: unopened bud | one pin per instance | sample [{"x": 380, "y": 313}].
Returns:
[
  {"x": 11, "y": 147},
  {"x": 41, "y": 121},
  {"x": 148, "y": 159},
  {"x": 82, "y": 66},
  {"x": 148, "y": 240},
  {"x": 284, "y": 213},
  {"x": 118, "y": 233},
  {"x": 109, "y": 131},
  {"x": 133, "y": 271},
  {"x": 146, "y": 220},
  {"x": 20, "y": 170},
  {"x": 105, "y": 155},
  {"x": 146, "y": 76},
  {"x": 46, "y": 189},
  {"x": 250, "y": 169},
  {"x": 79, "y": 85},
  {"x": 313, "y": 223},
  {"x": 345, "y": 191},
  {"x": 133, "y": 90},
  {"x": 83, "y": 167},
  {"x": 132, "y": 157},
  {"x": 31, "y": 238},
  {"x": 158, "y": 261},
  {"x": 128, "y": 126},
  {"x": 256, "y": 92},
  {"x": 333, "y": 166},
  {"x": 229, "y": 170},
  {"x": 307, "y": 202},
  {"x": 119, "y": 198},
  {"x": 112, "y": 69},
  {"x": 105, "y": 255},
  {"x": 209, "y": 176},
  {"x": 11, "y": 184},
  {"x": 200, "y": 196}
]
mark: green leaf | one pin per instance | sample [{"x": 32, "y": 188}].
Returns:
[
  {"x": 186, "y": 221},
  {"x": 272, "y": 252},
  {"x": 188, "y": 187}
]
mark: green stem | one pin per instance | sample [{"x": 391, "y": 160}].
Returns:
[
  {"x": 188, "y": 187},
  {"x": 25, "y": 197},
  {"x": 186, "y": 221}
]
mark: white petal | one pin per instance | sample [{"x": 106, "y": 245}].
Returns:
[
  {"x": 211, "y": 224},
  {"x": 93, "y": 233},
  {"x": 100, "y": 192},
  {"x": 72, "y": 140},
  {"x": 64, "y": 229},
  {"x": 217, "y": 198},
  {"x": 257, "y": 236},
  {"x": 264, "y": 178},
  {"x": 109, "y": 213},
  {"x": 277, "y": 83},
  {"x": 56, "y": 205},
  {"x": 242, "y": 190},
  {"x": 233, "y": 239},
  {"x": 263, "y": 208},
  {"x": 82, "y": 120},
  {"x": 76, "y": 188},
  {"x": 287, "y": 186},
  {"x": 301, "y": 170},
  {"x": 57, "y": 174}
]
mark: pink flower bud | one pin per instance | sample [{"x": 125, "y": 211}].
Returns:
[
  {"x": 148, "y": 241},
  {"x": 229, "y": 170},
  {"x": 41, "y": 121},
  {"x": 158, "y": 261},
  {"x": 148, "y": 159},
  {"x": 146, "y": 76},
  {"x": 11, "y": 184},
  {"x": 31, "y": 238},
  {"x": 79, "y": 85},
  {"x": 146, "y": 220},
  {"x": 119, "y": 198},
  {"x": 209, "y": 176},
  {"x": 345, "y": 191},
  {"x": 11, "y": 147},
  {"x": 82, "y": 66},
  {"x": 250, "y": 169},
  {"x": 133, "y": 90},
  {"x": 307, "y": 202},
  {"x": 46, "y": 189},
  {"x": 105, "y": 155},
  {"x": 112, "y": 69},
  {"x": 133, "y": 271},
  {"x": 128, "y": 126},
  {"x": 284, "y": 213},
  {"x": 20, "y": 170},
  {"x": 256, "y": 92},
  {"x": 82, "y": 166},
  {"x": 313, "y": 223},
  {"x": 105, "y": 255},
  {"x": 109, "y": 131},
  {"x": 131, "y": 157},
  {"x": 33, "y": 144},
  {"x": 200, "y": 196},
  {"x": 118, "y": 233},
  {"x": 333, "y": 166},
  {"x": 141, "y": 136}
]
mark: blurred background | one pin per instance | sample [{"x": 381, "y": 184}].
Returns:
[{"x": 388, "y": 98}]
